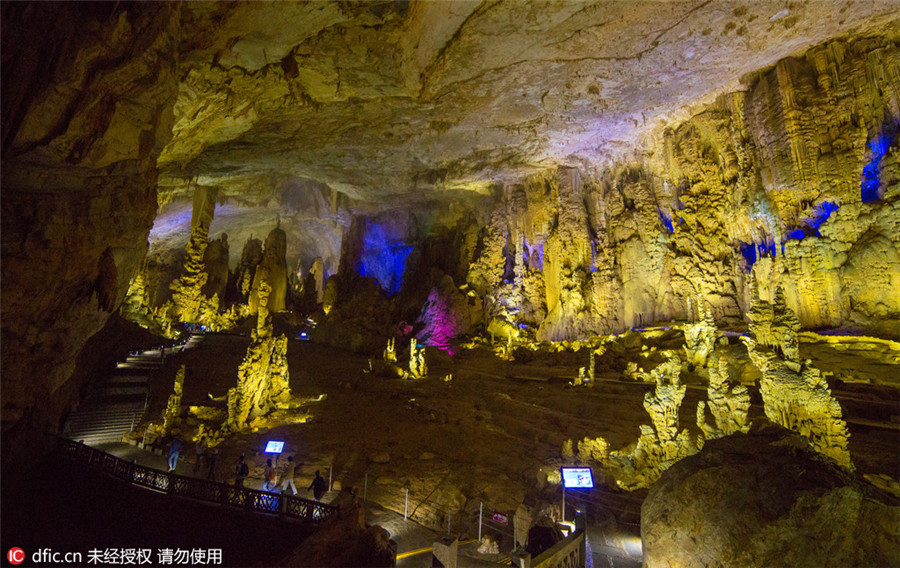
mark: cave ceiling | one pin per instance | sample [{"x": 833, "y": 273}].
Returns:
[{"x": 385, "y": 103}]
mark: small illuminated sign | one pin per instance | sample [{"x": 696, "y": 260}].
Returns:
[
  {"x": 577, "y": 478},
  {"x": 500, "y": 518},
  {"x": 274, "y": 447}
]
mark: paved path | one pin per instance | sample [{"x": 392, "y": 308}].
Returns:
[{"x": 610, "y": 545}]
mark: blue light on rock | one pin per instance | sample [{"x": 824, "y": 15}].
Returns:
[
  {"x": 383, "y": 256},
  {"x": 822, "y": 212},
  {"x": 749, "y": 252},
  {"x": 796, "y": 234},
  {"x": 871, "y": 177},
  {"x": 666, "y": 221}
]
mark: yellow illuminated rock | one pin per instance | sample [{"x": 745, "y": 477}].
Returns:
[
  {"x": 729, "y": 404},
  {"x": 263, "y": 377},
  {"x": 794, "y": 393}
]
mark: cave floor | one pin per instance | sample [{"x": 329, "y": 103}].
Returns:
[{"x": 483, "y": 437}]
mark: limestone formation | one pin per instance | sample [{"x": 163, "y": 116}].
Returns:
[
  {"x": 390, "y": 352},
  {"x": 329, "y": 297},
  {"x": 446, "y": 315},
  {"x": 171, "y": 414},
  {"x": 137, "y": 307},
  {"x": 79, "y": 185},
  {"x": 729, "y": 404},
  {"x": 700, "y": 337},
  {"x": 418, "y": 369},
  {"x": 704, "y": 136},
  {"x": 263, "y": 377},
  {"x": 215, "y": 263},
  {"x": 190, "y": 304},
  {"x": 173, "y": 406},
  {"x": 251, "y": 256},
  {"x": 795, "y": 395},
  {"x": 593, "y": 450},
  {"x": 273, "y": 270},
  {"x": 661, "y": 444}
]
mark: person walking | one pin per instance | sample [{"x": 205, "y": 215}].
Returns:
[
  {"x": 213, "y": 462},
  {"x": 318, "y": 486},
  {"x": 287, "y": 477},
  {"x": 241, "y": 471},
  {"x": 174, "y": 451},
  {"x": 269, "y": 476},
  {"x": 200, "y": 451}
]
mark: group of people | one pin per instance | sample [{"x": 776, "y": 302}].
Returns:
[
  {"x": 210, "y": 457},
  {"x": 270, "y": 477},
  {"x": 205, "y": 455}
]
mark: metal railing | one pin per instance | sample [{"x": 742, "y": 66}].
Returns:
[
  {"x": 568, "y": 553},
  {"x": 200, "y": 489}
]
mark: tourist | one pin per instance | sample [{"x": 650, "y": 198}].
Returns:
[
  {"x": 241, "y": 471},
  {"x": 213, "y": 462},
  {"x": 318, "y": 486},
  {"x": 200, "y": 451},
  {"x": 269, "y": 476},
  {"x": 287, "y": 478},
  {"x": 174, "y": 450}
]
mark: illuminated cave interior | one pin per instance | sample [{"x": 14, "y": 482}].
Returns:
[{"x": 442, "y": 250}]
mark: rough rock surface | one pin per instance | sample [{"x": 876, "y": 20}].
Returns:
[
  {"x": 273, "y": 270},
  {"x": 407, "y": 86},
  {"x": 760, "y": 499},
  {"x": 263, "y": 379},
  {"x": 84, "y": 120},
  {"x": 795, "y": 395}
]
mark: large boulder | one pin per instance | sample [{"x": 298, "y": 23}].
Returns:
[{"x": 763, "y": 499}]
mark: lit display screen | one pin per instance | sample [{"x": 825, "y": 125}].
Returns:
[
  {"x": 274, "y": 447},
  {"x": 577, "y": 477}
]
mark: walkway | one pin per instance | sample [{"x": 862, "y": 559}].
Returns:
[
  {"x": 114, "y": 405},
  {"x": 176, "y": 484}
]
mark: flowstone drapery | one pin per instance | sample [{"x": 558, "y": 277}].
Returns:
[
  {"x": 729, "y": 404},
  {"x": 263, "y": 378},
  {"x": 795, "y": 395}
]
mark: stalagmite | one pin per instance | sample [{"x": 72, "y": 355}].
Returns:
[
  {"x": 795, "y": 395},
  {"x": 418, "y": 369},
  {"x": 661, "y": 444},
  {"x": 700, "y": 337},
  {"x": 187, "y": 296},
  {"x": 390, "y": 353},
  {"x": 173, "y": 406},
  {"x": 263, "y": 378},
  {"x": 729, "y": 404}
]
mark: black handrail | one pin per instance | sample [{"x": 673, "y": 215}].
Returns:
[{"x": 200, "y": 489}]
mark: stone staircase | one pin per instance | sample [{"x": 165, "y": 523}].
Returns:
[{"x": 115, "y": 405}]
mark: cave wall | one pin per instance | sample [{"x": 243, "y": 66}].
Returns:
[
  {"x": 772, "y": 180},
  {"x": 88, "y": 92},
  {"x": 781, "y": 171}
]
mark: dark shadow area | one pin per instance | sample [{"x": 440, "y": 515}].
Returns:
[{"x": 67, "y": 507}]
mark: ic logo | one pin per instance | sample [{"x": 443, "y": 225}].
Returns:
[{"x": 15, "y": 555}]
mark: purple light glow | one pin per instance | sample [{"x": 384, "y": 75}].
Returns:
[
  {"x": 534, "y": 256},
  {"x": 174, "y": 220},
  {"x": 441, "y": 324}
]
